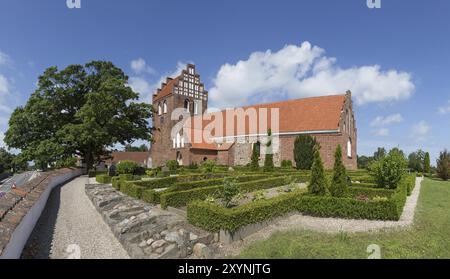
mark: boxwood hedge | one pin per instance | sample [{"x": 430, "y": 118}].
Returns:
[{"x": 103, "y": 178}]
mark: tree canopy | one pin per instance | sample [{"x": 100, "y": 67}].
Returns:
[{"x": 80, "y": 110}]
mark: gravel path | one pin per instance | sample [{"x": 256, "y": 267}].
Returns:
[
  {"x": 329, "y": 225},
  {"x": 71, "y": 227}
]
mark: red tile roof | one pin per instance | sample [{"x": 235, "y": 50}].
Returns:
[
  {"x": 138, "y": 157},
  {"x": 166, "y": 90}
]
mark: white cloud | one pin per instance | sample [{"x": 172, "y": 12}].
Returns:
[
  {"x": 4, "y": 58},
  {"x": 304, "y": 71},
  {"x": 139, "y": 66},
  {"x": 4, "y": 85},
  {"x": 381, "y": 121},
  {"x": 382, "y": 132},
  {"x": 445, "y": 109},
  {"x": 146, "y": 88},
  {"x": 420, "y": 131}
]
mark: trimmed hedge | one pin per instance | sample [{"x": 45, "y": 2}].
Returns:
[
  {"x": 131, "y": 189},
  {"x": 103, "y": 178},
  {"x": 182, "y": 198},
  {"x": 213, "y": 217},
  {"x": 93, "y": 173},
  {"x": 353, "y": 192}
]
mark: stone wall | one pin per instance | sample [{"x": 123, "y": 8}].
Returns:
[{"x": 21, "y": 208}]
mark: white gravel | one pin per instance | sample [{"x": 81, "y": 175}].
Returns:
[
  {"x": 330, "y": 225},
  {"x": 71, "y": 227}
]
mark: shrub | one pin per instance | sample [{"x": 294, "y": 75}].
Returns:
[
  {"x": 254, "y": 165},
  {"x": 268, "y": 160},
  {"x": 131, "y": 189},
  {"x": 94, "y": 173},
  {"x": 172, "y": 165},
  {"x": 126, "y": 167},
  {"x": 286, "y": 164},
  {"x": 103, "y": 179},
  {"x": 115, "y": 182},
  {"x": 389, "y": 170},
  {"x": 339, "y": 181},
  {"x": 443, "y": 165},
  {"x": 209, "y": 166},
  {"x": 304, "y": 152},
  {"x": 318, "y": 182},
  {"x": 229, "y": 191},
  {"x": 426, "y": 163}
]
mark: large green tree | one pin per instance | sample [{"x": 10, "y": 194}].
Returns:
[
  {"x": 427, "y": 163},
  {"x": 80, "y": 110},
  {"x": 416, "y": 160},
  {"x": 6, "y": 160},
  {"x": 304, "y": 147},
  {"x": 443, "y": 165}
]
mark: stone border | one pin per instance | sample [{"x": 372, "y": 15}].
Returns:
[{"x": 21, "y": 208}]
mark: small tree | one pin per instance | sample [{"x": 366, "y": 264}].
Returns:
[
  {"x": 339, "y": 185},
  {"x": 268, "y": 161},
  {"x": 318, "y": 181},
  {"x": 389, "y": 170},
  {"x": 426, "y": 163},
  {"x": 229, "y": 191},
  {"x": 304, "y": 151},
  {"x": 254, "y": 165},
  {"x": 172, "y": 165},
  {"x": 443, "y": 165},
  {"x": 208, "y": 166}
]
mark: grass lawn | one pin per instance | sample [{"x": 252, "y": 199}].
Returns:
[{"x": 429, "y": 237}]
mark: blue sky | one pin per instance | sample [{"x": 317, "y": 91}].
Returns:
[{"x": 395, "y": 59}]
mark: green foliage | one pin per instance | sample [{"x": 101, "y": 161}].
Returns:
[
  {"x": 126, "y": 167},
  {"x": 213, "y": 217},
  {"x": 364, "y": 162},
  {"x": 209, "y": 166},
  {"x": 68, "y": 162},
  {"x": 416, "y": 161},
  {"x": 268, "y": 160},
  {"x": 6, "y": 161},
  {"x": 94, "y": 173},
  {"x": 286, "y": 164},
  {"x": 141, "y": 148},
  {"x": 229, "y": 191},
  {"x": 304, "y": 147},
  {"x": 259, "y": 195},
  {"x": 172, "y": 165},
  {"x": 254, "y": 165},
  {"x": 318, "y": 182},
  {"x": 427, "y": 163},
  {"x": 115, "y": 182},
  {"x": 389, "y": 170},
  {"x": 443, "y": 165},
  {"x": 80, "y": 110},
  {"x": 379, "y": 154},
  {"x": 103, "y": 179},
  {"x": 339, "y": 182}
]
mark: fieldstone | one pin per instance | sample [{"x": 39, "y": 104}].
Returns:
[
  {"x": 158, "y": 243},
  {"x": 148, "y": 250},
  {"x": 173, "y": 237},
  {"x": 201, "y": 251},
  {"x": 163, "y": 233},
  {"x": 193, "y": 237},
  {"x": 150, "y": 241},
  {"x": 142, "y": 244},
  {"x": 160, "y": 250},
  {"x": 157, "y": 236},
  {"x": 170, "y": 252}
]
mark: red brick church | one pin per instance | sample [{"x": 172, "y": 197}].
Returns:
[{"x": 330, "y": 119}]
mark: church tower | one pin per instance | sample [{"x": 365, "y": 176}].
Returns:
[{"x": 186, "y": 92}]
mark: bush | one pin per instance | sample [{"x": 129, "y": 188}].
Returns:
[
  {"x": 254, "y": 165},
  {"x": 213, "y": 217},
  {"x": 131, "y": 189},
  {"x": 389, "y": 170},
  {"x": 304, "y": 147},
  {"x": 286, "y": 164},
  {"x": 209, "y": 166},
  {"x": 443, "y": 165},
  {"x": 318, "y": 182},
  {"x": 103, "y": 179},
  {"x": 339, "y": 182},
  {"x": 94, "y": 173},
  {"x": 115, "y": 182},
  {"x": 268, "y": 160},
  {"x": 426, "y": 163},
  {"x": 127, "y": 167},
  {"x": 229, "y": 191},
  {"x": 172, "y": 165}
]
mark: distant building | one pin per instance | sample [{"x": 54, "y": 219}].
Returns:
[
  {"x": 330, "y": 119},
  {"x": 141, "y": 158}
]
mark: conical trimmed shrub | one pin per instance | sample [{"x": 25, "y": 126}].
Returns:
[
  {"x": 339, "y": 182},
  {"x": 318, "y": 181}
]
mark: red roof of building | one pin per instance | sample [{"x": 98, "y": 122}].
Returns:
[{"x": 139, "y": 157}]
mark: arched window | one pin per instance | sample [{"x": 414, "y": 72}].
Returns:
[
  {"x": 349, "y": 148},
  {"x": 159, "y": 109},
  {"x": 165, "y": 107},
  {"x": 186, "y": 105}
]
